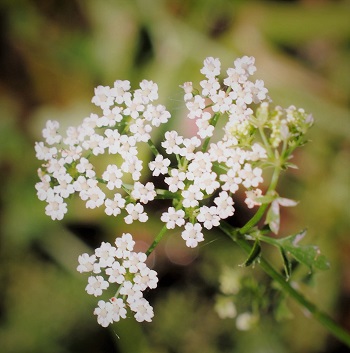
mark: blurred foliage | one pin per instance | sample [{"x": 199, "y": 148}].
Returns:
[{"x": 53, "y": 53}]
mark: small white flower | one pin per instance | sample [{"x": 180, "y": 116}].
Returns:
[
  {"x": 251, "y": 196},
  {"x": 159, "y": 165},
  {"x": 190, "y": 144},
  {"x": 50, "y": 132},
  {"x": 207, "y": 182},
  {"x": 208, "y": 216},
  {"x": 56, "y": 168},
  {"x": 135, "y": 262},
  {"x": 144, "y": 193},
  {"x": 95, "y": 197},
  {"x": 221, "y": 102},
  {"x": 245, "y": 65},
  {"x": 148, "y": 92},
  {"x": 86, "y": 263},
  {"x": 93, "y": 143},
  {"x": 111, "y": 141},
  {"x": 172, "y": 142},
  {"x": 104, "y": 313},
  {"x": 131, "y": 290},
  {"x": 56, "y": 207},
  {"x": 113, "y": 175},
  {"x": 43, "y": 152},
  {"x": 210, "y": 87},
  {"x": 64, "y": 188},
  {"x": 96, "y": 285},
  {"x": 71, "y": 154},
  {"x": 105, "y": 254},
  {"x": 259, "y": 91},
  {"x": 143, "y": 310},
  {"x": 82, "y": 185},
  {"x": 141, "y": 130},
  {"x": 132, "y": 165},
  {"x": 205, "y": 129},
  {"x": 224, "y": 205},
  {"x": 211, "y": 67},
  {"x": 231, "y": 179},
  {"x": 233, "y": 78},
  {"x": 176, "y": 180},
  {"x": 191, "y": 196},
  {"x": 258, "y": 153},
  {"x": 110, "y": 117},
  {"x": 85, "y": 167},
  {"x": 125, "y": 244},
  {"x": 146, "y": 278},
  {"x": 43, "y": 187},
  {"x": 113, "y": 207},
  {"x": 156, "y": 114},
  {"x": 219, "y": 152},
  {"x": 134, "y": 107},
  {"x": 135, "y": 212},
  {"x": 192, "y": 234},
  {"x": 120, "y": 91},
  {"x": 188, "y": 89},
  {"x": 173, "y": 217},
  {"x": 195, "y": 107},
  {"x": 72, "y": 136},
  {"x": 127, "y": 148},
  {"x": 251, "y": 177},
  {"x": 116, "y": 273},
  {"x": 118, "y": 309},
  {"x": 103, "y": 97}
]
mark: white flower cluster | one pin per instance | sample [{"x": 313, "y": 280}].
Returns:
[
  {"x": 124, "y": 269},
  {"x": 127, "y": 120},
  {"x": 227, "y": 164},
  {"x": 215, "y": 172},
  {"x": 202, "y": 185}
]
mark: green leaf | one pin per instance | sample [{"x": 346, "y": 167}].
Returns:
[
  {"x": 286, "y": 264},
  {"x": 273, "y": 217},
  {"x": 254, "y": 254},
  {"x": 308, "y": 255}
]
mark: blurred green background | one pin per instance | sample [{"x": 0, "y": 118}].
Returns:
[{"x": 52, "y": 55}]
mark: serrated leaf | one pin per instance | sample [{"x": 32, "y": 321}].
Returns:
[
  {"x": 254, "y": 254},
  {"x": 309, "y": 255}
]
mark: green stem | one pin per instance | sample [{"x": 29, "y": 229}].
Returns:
[
  {"x": 266, "y": 143},
  {"x": 157, "y": 239},
  {"x": 153, "y": 147},
  {"x": 260, "y": 212},
  {"x": 166, "y": 194},
  {"x": 320, "y": 316}
]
